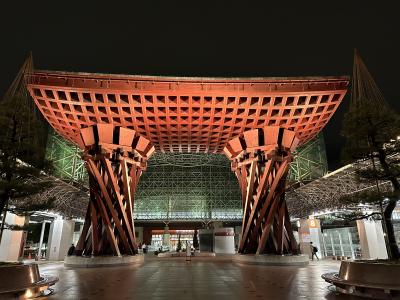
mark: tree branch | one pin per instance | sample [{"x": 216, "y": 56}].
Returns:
[{"x": 359, "y": 217}]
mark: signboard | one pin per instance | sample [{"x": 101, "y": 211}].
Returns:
[{"x": 313, "y": 223}]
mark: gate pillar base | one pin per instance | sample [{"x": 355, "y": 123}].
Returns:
[
  {"x": 115, "y": 157},
  {"x": 260, "y": 159},
  {"x": 102, "y": 261}
]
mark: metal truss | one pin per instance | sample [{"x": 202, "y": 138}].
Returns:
[
  {"x": 66, "y": 158},
  {"x": 69, "y": 200},
  {"x": 309, "y": 163},
  {"x": 184, "y": 186},
  {"x": 325, "y": 193},
  {"x": 188, "y": 186}
]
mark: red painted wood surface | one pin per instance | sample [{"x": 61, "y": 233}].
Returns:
[
  {"x": 260, "y": 159},
  {"x": 114, "y": 166},
  {"x": 185, "y": 114}
]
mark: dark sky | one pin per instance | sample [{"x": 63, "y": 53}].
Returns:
[{"x": 201, "y": 38}]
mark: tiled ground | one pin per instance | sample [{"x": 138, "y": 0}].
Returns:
[{"x": 201, "y": 278}]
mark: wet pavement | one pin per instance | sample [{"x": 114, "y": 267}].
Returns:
[{"x": 200, "y": 278}]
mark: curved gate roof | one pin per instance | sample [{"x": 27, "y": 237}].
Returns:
[{"x": 185, "y": 114}]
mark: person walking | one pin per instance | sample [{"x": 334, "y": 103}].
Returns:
[{"x": 314, "y": 251}]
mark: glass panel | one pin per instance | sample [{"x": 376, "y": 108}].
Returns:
[{"x": 345, "y": 241}]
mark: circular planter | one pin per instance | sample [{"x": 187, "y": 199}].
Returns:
[
  {"x": 372, "y": 279},
  {"x": 271, "y": 260},
  {"x": 18, "y": 279},
  {"x": 102, "y": 261}
]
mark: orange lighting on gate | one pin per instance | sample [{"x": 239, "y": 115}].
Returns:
[{"x": 180, "y": 114}]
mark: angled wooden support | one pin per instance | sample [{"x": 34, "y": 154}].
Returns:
[
  {"x": 260, "y": 159},
  {"x": 115, "y": 158},
  {"x": 82, "y": 239}
]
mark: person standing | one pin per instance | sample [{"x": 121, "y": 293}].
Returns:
[
  {"x": 71, "y": 250},
  {"x": 314, "y": 251},
  {"x": 144, "y": 247}
]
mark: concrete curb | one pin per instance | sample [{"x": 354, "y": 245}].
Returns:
[
  {"x": 102, "y": 261},
  {"x": 183, "y": 254},
  {"x": 271, "y": 260}
]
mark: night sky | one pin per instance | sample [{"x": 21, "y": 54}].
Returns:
[{"x": 200, "y": 38}]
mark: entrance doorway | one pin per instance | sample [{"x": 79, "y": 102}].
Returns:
[{"x": 183, "y": 234}]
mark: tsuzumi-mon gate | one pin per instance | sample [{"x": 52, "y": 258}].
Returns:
[{"x": 119, "y": 121}]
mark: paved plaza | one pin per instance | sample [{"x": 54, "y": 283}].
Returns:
[{"x": 200, "y": 278}]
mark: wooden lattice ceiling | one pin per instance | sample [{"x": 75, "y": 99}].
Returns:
[{"x": 185, "y": 114}]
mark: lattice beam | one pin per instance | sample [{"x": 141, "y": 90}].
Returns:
[
  {"x": 114, "y": 157},
  {"x": 185, "y": 114},
  {"x": 260, "y": 159}
]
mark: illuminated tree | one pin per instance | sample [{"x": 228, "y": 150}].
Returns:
[
  {"x": 21, "y": 152},
  {"x": 371, "y": 129}
]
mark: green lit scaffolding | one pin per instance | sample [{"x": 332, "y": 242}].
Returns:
[
  {"x": 310, "y": 162},
  {"x": 187, "y": 186}
]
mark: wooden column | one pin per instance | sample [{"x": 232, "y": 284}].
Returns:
[
  {"x": 260, "y": 159},
  {"x": 115, "y": 158}
]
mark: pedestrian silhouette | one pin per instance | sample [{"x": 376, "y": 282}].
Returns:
[
  {"x": 71, "y": 250},
  {"x": 314, "y": 251}
]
